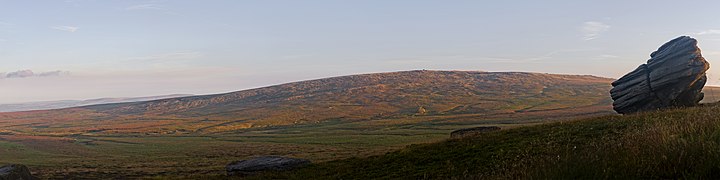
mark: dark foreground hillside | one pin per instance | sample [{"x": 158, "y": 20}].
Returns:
[{"x": 679, "y": 143}]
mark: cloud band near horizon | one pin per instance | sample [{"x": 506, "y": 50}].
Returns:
[{"x": 29, "y": 73}]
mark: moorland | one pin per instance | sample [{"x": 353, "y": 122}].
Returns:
[{"x": 323, "y": 120}]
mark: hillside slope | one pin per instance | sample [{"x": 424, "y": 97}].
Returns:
[
  {"x": 347, "y": 98},
  {"x": 671, "y": 144},
  {"x": 45, "y": 105},
  {"x": 320, "y": 120},
  {"x": 385, "y": 95}
]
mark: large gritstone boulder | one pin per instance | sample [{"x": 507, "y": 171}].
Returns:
[
  {"x": 266, "y": 163},
  {"x": 673, "y": 77}
]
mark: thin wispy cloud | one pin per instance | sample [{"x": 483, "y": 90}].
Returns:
[
  {"x": 30, "y": 73},
  {"x": 20, "y": 74},
  {"x": 151, "y": 6},
  {"x": 708, "y": 32},
  {"x": 592, "y": 29},
  {"x": 71, "y": 29},
  {"x": 144, "y": 7},
  {"x": 53, "y": 73}
]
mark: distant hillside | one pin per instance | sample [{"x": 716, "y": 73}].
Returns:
[
  {"x": 452, "y": 95},
  {"x": 712, "y": 94},
  {"x": 45, "y": 105},
  {"x": 385, "y": 95}
]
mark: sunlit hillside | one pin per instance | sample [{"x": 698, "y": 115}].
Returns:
[{"x": 345, "y": 99}]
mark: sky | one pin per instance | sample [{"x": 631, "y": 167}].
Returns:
[{"x": 84, "y": 49}]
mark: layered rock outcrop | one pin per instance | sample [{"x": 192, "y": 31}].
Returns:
[{"x": 673, "y": 77}]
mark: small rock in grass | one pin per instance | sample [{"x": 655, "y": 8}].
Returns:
[
  {"x": 16, "y": 172},
  {"x": 265, "y": 163},
  {"x": 467, "y": 132}
]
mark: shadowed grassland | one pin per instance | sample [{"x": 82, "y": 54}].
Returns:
[
  {"x": 671, "y": 144},
  {"x": 322, "y": 120},
  {"x": 131, "y": 155},
  {"x": 679, "y": 143}
]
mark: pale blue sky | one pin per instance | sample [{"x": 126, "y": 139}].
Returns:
[{"x": 105, "y": 48}]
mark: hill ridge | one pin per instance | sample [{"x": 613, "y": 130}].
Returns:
[
  {"x": 393, "y": 95},
  {"x": 309, "y": 88}
]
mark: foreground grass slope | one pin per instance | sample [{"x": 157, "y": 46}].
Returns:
[{"x": 677, "y": 143}]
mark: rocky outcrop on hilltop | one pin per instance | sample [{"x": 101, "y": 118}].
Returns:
[
  {"x": 673, "y": 77},
  {"x": 15, "y": 172},
  {"x": 265, "y": 163},
  {"x": 468, "y": 132}
]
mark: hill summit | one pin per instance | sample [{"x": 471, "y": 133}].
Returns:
[{"x": 383, "y": 95}]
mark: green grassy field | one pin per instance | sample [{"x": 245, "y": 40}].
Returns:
[
  {"x": 541, "y": 139},
  {"x": 321, "y": 120},
  {"x": 671, "y": 144},
  {"x": 104, "y": 155},
  {"x": 408, "y": 147}
]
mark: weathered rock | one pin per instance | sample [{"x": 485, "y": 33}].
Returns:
[
  {"x": 15, "y": 172},
  {"x": 460, "y": 133},
  {"x": 673, "y": 77},
  {"x": 265, "y": 163}
]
